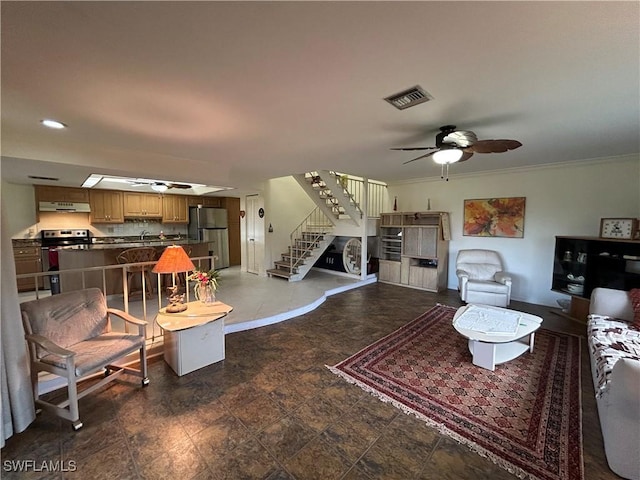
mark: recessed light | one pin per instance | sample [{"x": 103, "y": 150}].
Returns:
[{"x": 47, "y": 122}]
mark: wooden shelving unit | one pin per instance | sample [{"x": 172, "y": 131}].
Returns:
[{"x": 414, "y": 249}]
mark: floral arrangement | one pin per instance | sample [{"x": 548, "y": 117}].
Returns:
[{"x": 206, "y": 278}]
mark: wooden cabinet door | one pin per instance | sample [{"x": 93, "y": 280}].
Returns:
[
  {"x": 429, "y": 241},
  {"x": 389, "y": 271},
  {"x": 420, "y": 242},
  {"x": 152, "y": 205},
  {"x": 424, "y": 277},
  {"x": 411, "y": 242},
  {"x": 28, "y": 260},
  {"x": 175, "y": 209},
  {"x": 142, "y": 205},
  {"x": 106, "y": 206},
  {"x": 133, "y": 204}
]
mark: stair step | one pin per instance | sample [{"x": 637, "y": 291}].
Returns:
[
  {"x": 274, "y": 272},
  {"x": 284, "y": 265}
]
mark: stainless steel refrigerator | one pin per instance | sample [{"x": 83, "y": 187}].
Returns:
[{"x": 209, "y": 225}]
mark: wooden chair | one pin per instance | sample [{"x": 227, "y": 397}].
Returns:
[
  {"x": 138, "y": 255},
  {"x": 70, "y": 335}
]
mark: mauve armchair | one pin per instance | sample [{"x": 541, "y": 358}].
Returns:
[{"x": 70, "y": 335}]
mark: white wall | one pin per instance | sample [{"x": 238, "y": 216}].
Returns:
[
  {"x": 286, "y": 205},
  {"x": 19, "y": 209},
  {"x": 566, "y": 199}
]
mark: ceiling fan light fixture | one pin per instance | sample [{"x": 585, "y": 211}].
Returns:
[
  {"x": 159, "y": 187},
  {"x": 447, "y": 156}
]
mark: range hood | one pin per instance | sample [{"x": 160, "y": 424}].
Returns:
[{"x": 64, "y": 207}]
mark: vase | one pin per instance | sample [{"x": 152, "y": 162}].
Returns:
[{"x": 205, "y": 293}]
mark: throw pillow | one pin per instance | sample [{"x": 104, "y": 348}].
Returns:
[{"x": 634, "y": 295}]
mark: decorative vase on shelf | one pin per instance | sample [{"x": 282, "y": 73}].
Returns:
[{"x": 205, "y": 293}]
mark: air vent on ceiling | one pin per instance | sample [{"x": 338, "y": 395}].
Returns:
[
  {"x": 36, "y": 177},
  {"x": 410, "y": 97}
]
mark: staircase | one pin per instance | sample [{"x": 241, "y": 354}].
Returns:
[
  {"x": 308, "y": 242},
  {"x": 330, "y": 193}
]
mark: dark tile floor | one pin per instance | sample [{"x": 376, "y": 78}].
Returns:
[{"x": 272, "y": 410}]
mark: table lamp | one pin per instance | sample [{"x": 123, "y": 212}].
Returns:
[{"x": 174, "y": 260}]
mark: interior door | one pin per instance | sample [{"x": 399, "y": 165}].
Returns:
[{"x": 254, "y": 234}]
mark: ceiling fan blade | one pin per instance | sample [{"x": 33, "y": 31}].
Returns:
[
  {"x": 413, "y": 148},
  {"x": 494, "y": 146},
  {"x": 466, "y": 155},
  {"x": 178, "y": 185},
  {"x": 422, "y": 156},
  {"x": 461, "y": 138}
]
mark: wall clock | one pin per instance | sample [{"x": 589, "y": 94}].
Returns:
[{"x": 617, "y": 227}]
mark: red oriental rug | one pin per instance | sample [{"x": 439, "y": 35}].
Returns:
[{"x": 525, "y": 416}]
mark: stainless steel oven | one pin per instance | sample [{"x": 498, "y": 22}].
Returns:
[{"x": 51, "y": 241}]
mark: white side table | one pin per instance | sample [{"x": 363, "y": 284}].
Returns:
[
  {"x": 489, "y": 350},
  {"x": 194, "y": 338}
]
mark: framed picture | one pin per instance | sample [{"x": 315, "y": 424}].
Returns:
[{"x": 494, "y": 217}]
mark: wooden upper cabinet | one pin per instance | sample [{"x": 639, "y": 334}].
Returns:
[
  {"x": 106, "y": 206},
  {"x": 142, "y": 205},
  {"x": 46, "y": 193},
  {"x": 205, "y": 201},
  {"x": 175, "y": 209}
]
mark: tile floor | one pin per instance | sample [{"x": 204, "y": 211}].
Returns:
[{"x": 272, "y": 410}]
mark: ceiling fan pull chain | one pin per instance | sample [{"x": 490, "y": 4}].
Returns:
[
  {"x": 442, "y": 171},
  {"x": 447, "y": 179}
]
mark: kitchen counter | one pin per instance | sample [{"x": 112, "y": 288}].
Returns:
[
  {"x": 124, "y": 243},
  {"x": 26, "y": 242},
  {"x": 104, "y": 254}
]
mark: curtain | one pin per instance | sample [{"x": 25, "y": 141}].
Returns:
[{"x": 16, "y": 401}]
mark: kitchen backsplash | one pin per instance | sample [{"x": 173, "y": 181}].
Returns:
[{"x": 56, "y": 220}]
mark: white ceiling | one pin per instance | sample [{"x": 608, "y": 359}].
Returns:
[{"x": 233, "y": 93}]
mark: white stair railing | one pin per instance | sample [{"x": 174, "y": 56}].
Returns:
[{"x": 306, "y": 235}]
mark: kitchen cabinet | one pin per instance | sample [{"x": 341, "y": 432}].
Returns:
[
  {"x": 414, "y": 249},
  {"x": 175, "y": 209},
  {"x": 45, "y": 193},
  {"x": 138, "y": 205},
  {"x": 106, "y": 206},
  {"x": 205, "y": 201},
  {"x": 28, "y": 260}
]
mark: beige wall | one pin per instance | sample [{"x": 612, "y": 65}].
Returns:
[{"x": 568, "y": 199}]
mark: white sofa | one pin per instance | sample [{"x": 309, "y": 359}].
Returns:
[{"x": 614, "y": 350}]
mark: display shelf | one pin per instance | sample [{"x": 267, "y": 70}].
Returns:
[{"x": 595, "y": 262}]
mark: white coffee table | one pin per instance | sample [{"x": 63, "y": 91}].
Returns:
[{"x": 489, "y": 349}]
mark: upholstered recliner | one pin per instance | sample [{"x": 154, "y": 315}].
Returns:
[
  {"x": 70, "y": 335},
  {"x": 481, "y": 279}
]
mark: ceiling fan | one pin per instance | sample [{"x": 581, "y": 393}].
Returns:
[
  {"x": 157, "y": 185},
  {"x": 458, "y": 146},
  {"x": 164, "y": 186}
]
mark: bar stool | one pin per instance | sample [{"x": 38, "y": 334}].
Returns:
[{"x": 137, "y": 255}]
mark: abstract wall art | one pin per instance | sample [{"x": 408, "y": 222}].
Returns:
[{"x": 494, "y": 217}]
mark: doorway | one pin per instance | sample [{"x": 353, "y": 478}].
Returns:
[{"x": 255, "y": 233}]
